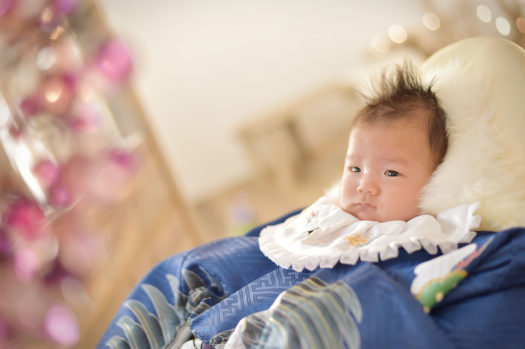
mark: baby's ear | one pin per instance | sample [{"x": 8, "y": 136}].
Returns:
[{"x": 480, "y": 83}]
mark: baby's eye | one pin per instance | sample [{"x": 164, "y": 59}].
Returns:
[
  {"x": 354, "y": 169},
  {"x": 391, "y": 173}
]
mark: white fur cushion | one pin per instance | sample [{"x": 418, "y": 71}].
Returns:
[{"x": 480, "y": 83}]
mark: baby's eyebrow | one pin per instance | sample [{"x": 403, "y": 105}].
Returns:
[{"x": 396, "y": 161}]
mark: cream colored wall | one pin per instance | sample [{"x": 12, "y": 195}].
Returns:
[{"x": 204, "y": 67}]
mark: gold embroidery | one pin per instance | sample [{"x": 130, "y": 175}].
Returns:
[{"x": 356, "y": 240}]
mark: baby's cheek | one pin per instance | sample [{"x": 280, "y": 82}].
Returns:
[
  {"x": 344, "y": 198},
  {"x": 411, "y": 209},
  {"x": 341, "y": 200}
]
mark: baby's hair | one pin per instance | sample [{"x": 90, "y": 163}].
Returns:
[{"x": 402, "y": 94}]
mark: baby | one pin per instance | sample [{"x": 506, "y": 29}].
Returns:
[{"x": 396, "y": 142}]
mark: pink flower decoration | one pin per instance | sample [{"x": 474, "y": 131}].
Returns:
[
  {"x": 123, "y": 157},
  {"x": 111, "y": 178},
  {"x": 78, "y": 253},
  {"x": 85, "y": 119},
  {"x": 47, "y": 172},
  {"x": 75, "y": 176},
  {"x": 67, "y": 6},
  {"x": 26, "y": 218},
  {"x": 61, "y": 326},
  {"x": 26, "y": 264},
  {"x": 59, "y": 196},
  {"x": 31, "y": 105},
  {"x": 114, "y": 61},
  {"x": 5, "y": 6}
]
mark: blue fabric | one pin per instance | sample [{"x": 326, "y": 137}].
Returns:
[{"x": 212, "y": 287}]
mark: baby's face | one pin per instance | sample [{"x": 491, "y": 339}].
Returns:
[{"x": 387, "y": 164}]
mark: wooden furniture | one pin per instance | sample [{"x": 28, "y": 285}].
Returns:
[{"x": 301, "y": 134}]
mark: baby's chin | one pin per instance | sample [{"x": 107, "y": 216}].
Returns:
[
  {"x": 376, "y": 215},
  {"x": 365, "y": 213},
  {"x": 369, "y": 216}
]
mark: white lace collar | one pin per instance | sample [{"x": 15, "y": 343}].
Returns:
[{"x": 323, "y": 234}]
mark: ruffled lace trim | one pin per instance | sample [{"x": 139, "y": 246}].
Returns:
[{"x": 323, "y": 235}]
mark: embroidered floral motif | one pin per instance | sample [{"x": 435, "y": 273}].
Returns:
[
  {"x": 437, "y": 277},
  {"x": 310, "y": 225},
  {"x": 167, "y": 324},
  {"x": 357, "y": 240},
  {"x": 436, "y": 289}
]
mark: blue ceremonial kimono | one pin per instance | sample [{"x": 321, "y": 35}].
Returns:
[{"x": 206, "y": 291}]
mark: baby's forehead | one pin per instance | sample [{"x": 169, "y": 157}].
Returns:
[
  {"x": 385, "y": 114},
  {"x": 400, "y": 135},
  {"x": 392, "y": 158},
  {"x": 408, "y": 121}
]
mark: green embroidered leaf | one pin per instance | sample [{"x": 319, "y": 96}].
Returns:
[
  {"x": 149, "y": 323},
  {"x": 136, "y": 337},
  {"x": 180, "y": 299},
  {"x": 169, "y": 326},
  {"x": 167, "y": 316},
  {"x": 117, "y": 342},
  {"x": 192, "y": 279},
  {"x": 201, "y": 291},
  {"x": 183, "y": 335},
  {"x": 214, "y": 285}
]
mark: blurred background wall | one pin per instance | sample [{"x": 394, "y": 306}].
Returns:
[{"x": 207, "y": 69}]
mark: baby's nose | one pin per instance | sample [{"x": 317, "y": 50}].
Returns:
[{"x": 367, "y": 186}]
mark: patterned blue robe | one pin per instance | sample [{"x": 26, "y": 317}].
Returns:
[{"x": 204, "y": 293}]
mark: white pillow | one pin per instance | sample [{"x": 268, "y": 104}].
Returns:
[{"x": 480, "y": 83}]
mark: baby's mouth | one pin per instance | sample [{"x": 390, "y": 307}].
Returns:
[{"x": 364, "y": 204}]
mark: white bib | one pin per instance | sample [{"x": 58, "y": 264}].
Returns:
[{"x": 323, "y": 234}]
